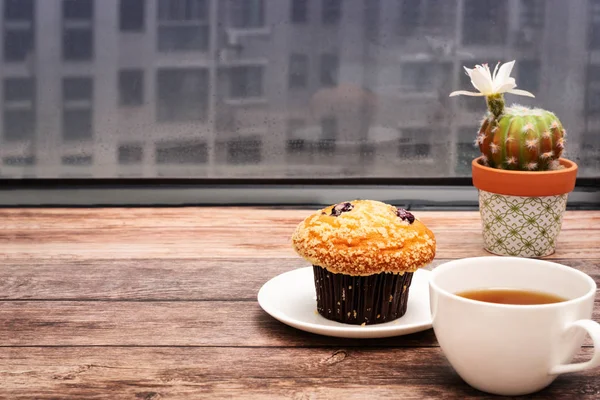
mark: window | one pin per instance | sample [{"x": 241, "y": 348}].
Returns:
[
  {"x": 19, "y": 89},
  {"x": 132, "y": 15},
  {"x": 331, "y": 11},
  {"x": 181, "y": 152},
  {"x": 264, "y": 89},
  {"x": 594, "y": 38},
  {"x": 244, "y": 151},
  {"x": 77, "y": 108},
  {"x": 19, "y": 109},
  {"x": 532, "y": 13},
  {"x": 410, "y": 16},
  {"x": 77, "y": 160},
  {"x": 130, "y": 153},
  {"x": 182, "y": 95},
  {"x": 78, "y": 9},
  {"x": 529, "y": 75},
  {"x": 78, "y": 34},
  {"x": 247, "y": 14},
  {"x": 18, "y": 161},
  {"x": 415, "y": 143},
  {"x": 246, "y": 82},
  {"x": 299, "y": 11},
  {"x": 131, "y": 87},
  {"x": 18, "y": 29},
  {"x": 484, "y": 22},
  {"x": 466, "y": 150},
  {"x": 329, "y": 70},
  {"x": 417, "y": 77},
  {"x": 19, "y": 10},
  {"x": 183, "y": 25},
  {"x": 298, "y": 77}
]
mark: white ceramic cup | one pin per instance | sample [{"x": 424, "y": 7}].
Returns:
[{"x": 512, "y": 349}]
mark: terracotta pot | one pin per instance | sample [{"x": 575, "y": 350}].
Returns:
[{"x": 522, "y": 211}]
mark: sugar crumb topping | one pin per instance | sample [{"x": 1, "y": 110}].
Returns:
[{"x": 368, "y": 239}]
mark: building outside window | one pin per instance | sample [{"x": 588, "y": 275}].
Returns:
[
  {"x": 183, "y": 25},
  {"x": 298, "y": 77},
  {"x": 247, "y": 14},
  {"x": 131, "y": 87},
  {"x": 329, "y": 71},
  {"x": 181, "y": 152},
  {"x": 77, "y": 118},
  {"x": 182, "y": 94},
  {"x": 479, "y": 16},
  {"x": 19, "y": 109},
  {"x": 299, "y": 11},
  {"x": 415, "y": 143},
  {"x": 78, "y": 30},
  {"x": 132, "y": 15},
  {"x": 331, "y": 11},
  {"x": 19, "y": 29}
]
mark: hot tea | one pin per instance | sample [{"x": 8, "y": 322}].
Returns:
[{"x": 511, "y": 296}]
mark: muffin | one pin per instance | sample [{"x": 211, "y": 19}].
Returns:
[{"x": 364, "y": 254}]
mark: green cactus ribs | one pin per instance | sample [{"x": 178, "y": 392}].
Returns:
[{"x": 521, "y": 138}]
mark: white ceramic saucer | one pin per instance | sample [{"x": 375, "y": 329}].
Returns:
[{"x": 291, "y": 299}]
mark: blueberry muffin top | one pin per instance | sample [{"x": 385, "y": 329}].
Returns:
[{"x": 364, "y": 237}]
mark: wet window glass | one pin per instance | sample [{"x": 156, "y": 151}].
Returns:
[{"x": 280, "y": 88}]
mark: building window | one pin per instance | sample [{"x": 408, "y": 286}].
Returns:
[
  {"x": 19, "y": 161},
  {"x": 183, "y": 25},
  {"x": 78, "y": 93},
  {"x": 466, "y": 150},
  {"x": 329, "y": 70},
  {"x": 246, "y": 82},
  {"x": 247, "y": 14},
  {"x": 244, "y": 151},
  {"x": 594, "y": 32},
  {"x": 19, "y": 16},
  {"x": 417, "y": 77},
  {"x": 182, "y": 94},
  {"x": 415, "y": 143},
  {"x": 529, "y": 75},
  {"x": 131, "y": 87},
  {"x": 181, "y": 152},
  {"x": 485, "y": 22},
  {"x": 19, "y": 10},
  {"x": 18, "y": 124},
  {"x": 532, "y": 13},
  {"x": 410, "y": 17},
  {"x": 78, "y": 9},
  {"x": 19, "y": 90},
  {"x": 130, "y": 153},
  {"x": 19, "y": 109},
  {"x": 299, "y": 12},
  {"x": 132, "y": 14},
  {"x": 298, "y": 75},
  {"x": 78, "y": 34},
  {"x": 331, "y": 11},
  {"x": 77, "y": 160}
]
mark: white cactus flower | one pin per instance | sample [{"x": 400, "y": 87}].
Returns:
[{"x": 489, "y": 84}]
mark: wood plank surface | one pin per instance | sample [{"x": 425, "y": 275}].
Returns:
[
  {"x": 252, "y": 373},
  {"x": 160, "y": 303}
]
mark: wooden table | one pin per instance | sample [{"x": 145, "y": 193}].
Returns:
[{"x": 160, "y": 303}]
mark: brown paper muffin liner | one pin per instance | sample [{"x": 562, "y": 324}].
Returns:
[{"x": 358, "y": 300}]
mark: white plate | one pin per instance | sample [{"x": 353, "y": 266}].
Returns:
[{"x": 291, "y": 299}]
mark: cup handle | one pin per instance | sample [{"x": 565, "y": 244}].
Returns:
[{"x": 593, "y": 329}]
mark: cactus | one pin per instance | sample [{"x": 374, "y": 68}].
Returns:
[
  {"x": 521, "y": 138},
  {"x": 517, "y": 137}
]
